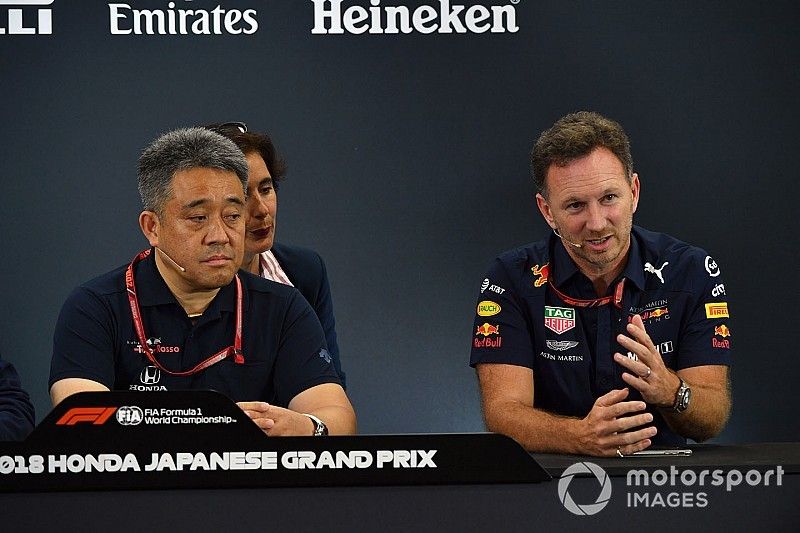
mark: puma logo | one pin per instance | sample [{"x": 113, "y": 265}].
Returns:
[{"x": 657, "y": 271}]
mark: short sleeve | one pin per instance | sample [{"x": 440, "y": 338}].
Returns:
[
  {"x": 500, "y": 330},
  {"x": 323, "y": 307},
  {"x": 706, "y": 337},
  {"x": 83, "y": 342},
  {"x": 302, "y": 361}
]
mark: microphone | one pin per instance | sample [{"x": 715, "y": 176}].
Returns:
[
  {"x": 171, "y": 260},
  {"x": 576, "y": 245}
]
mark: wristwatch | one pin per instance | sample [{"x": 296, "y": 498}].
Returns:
[
  {"x": 320, "y": 429},
  {"x": 682, "y": 398}
]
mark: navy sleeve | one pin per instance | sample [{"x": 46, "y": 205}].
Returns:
[
  {"x": 302, "y": 361},
  {"x": 500, "y": 331},
  {"x": 706, "y": 335},
  {"x": 323, "y": 307},
  {"x": 16, "y": 410},
  {"x": 83, "y": 342}
]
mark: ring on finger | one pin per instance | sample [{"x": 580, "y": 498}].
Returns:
[
  {"x": 619, "y": 452},
  {"x": 648, "y": 373}
]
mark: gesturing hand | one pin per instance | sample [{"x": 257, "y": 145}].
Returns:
[
  {"x": 608, "y": 429},
  {"x": 648, "y": 374}
]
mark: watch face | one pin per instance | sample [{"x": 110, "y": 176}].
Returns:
[
  {"x": 682, "y": 398},
  {"x": 685, "y": 396},
  {"x": 320, "y": 429}
]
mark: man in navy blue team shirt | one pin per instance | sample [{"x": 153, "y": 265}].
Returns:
[
  {"x": 179, "y": 316},
  {"x": 605, "y": 338}
]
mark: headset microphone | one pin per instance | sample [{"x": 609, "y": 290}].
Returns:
[
  {"x": 563, "y": 239},
  {"x": 171, "y": 260}
]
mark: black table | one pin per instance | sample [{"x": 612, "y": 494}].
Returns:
[
  {"x": 501, "y": 507},
  {"x": 481, "y": 482}
]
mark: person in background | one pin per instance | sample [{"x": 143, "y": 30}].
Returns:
[{"x": 291, "y": 265}]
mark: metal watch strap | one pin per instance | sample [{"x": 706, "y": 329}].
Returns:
[
  {"x": 320, "y": 429},
  {"x": 682, "y": 398}
]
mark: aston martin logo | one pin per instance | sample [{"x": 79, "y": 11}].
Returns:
[{"x": 561, "y": 346}]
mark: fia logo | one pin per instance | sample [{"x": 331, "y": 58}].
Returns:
[
  {"x": 129, "y": 415},
  {"x": 17, "y": 18}
]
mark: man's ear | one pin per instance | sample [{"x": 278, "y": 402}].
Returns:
[
  {"x": 544, "y": 209},
  {"x": 635, "y": 190},
  {"x": 150, "y": 225}
]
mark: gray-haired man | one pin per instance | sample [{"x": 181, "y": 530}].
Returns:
[{"x": 179, "y": 316}]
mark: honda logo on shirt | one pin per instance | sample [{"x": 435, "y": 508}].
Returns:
[
  {"x": 150, "y": 375},
  {"x": 16, "y": 23}
]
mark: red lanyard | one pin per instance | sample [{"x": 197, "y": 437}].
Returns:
[
  {"x": 234, "y": 351},
  {"x": 594, "y": 302}
]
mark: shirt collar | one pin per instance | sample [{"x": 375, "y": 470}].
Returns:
[
  {"x": 634, "y": 269},
  {"x": 565, "y": 267},
  {"x": 151, "y": 289}
]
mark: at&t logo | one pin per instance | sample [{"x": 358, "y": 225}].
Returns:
[
  {"x": 602, "y": 498},
  {"x": 17, "y": 18}
]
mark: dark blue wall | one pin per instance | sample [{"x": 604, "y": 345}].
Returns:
[{"x": 409, "y": 172}]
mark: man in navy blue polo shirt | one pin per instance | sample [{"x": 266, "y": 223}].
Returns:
[
  {"x": 604, "y": 338},
  {"x": 179, "y": 316}
]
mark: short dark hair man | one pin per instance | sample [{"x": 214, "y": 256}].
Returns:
[
  {"x": 604, "y": 338},
  {"x": 180, "y": 317}
]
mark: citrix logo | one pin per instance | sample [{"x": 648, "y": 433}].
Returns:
[{"x": 16, "y": 22}]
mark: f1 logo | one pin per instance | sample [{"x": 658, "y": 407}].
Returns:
[
  {"x": 94, "y": 415},
  {"x": 16, "y": 25},
  {"x": 150, "y": 375}
]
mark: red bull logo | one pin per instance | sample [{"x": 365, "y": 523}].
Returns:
[
  {"x": 658, "y": 313},
  {"x": 722, "y": 331},
  {"x": 487, "y": 329},
  {"x": 496, "y": 342},
  {"x": 541, "y": 273},
  {"x": 724, "y": 343}
]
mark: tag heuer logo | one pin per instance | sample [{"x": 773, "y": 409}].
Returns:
[{"x": 559, "y": 319}]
